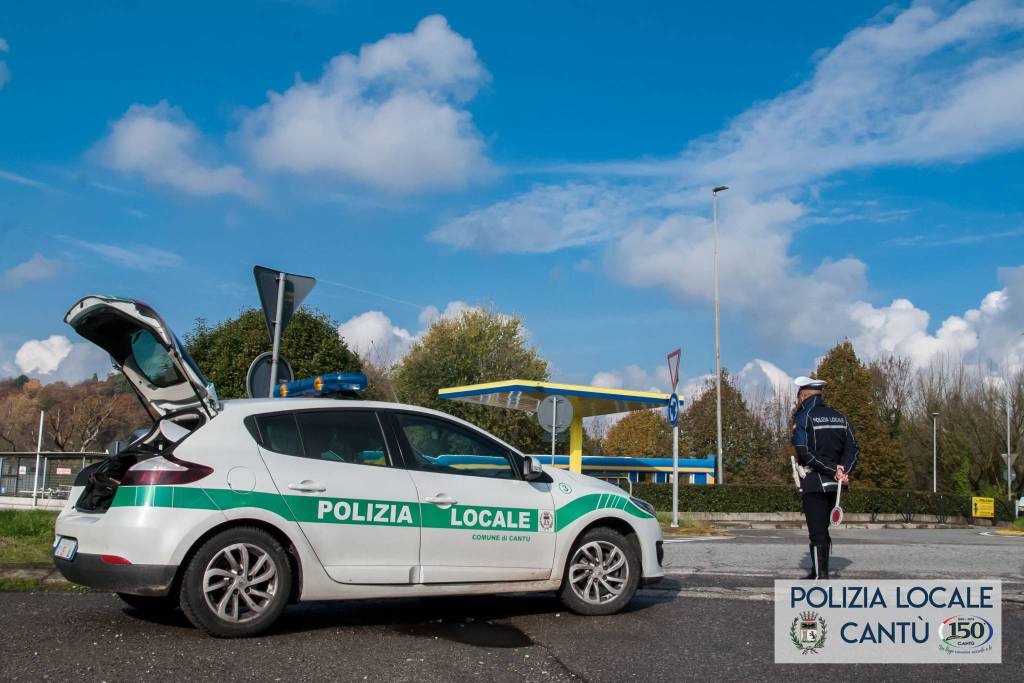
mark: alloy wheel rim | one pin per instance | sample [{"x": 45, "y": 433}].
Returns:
[
  {"x": 240, "y": 582},
  {"x": 598, "y": 572}
]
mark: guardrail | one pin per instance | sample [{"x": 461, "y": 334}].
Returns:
[{"x": 57, "y": 473}]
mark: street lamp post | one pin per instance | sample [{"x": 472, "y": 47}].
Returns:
[
  {"x": 718, "y": 346},
  {"x": 935, "y": 452}
]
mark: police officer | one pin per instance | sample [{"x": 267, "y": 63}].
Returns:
[{"x": 826, "y": 453}]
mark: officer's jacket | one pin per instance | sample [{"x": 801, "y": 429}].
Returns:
[{"x": 823, "y": 438}]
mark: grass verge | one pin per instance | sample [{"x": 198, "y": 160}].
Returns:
[
  {"x": 687, "y": 526},
  {"x": 24, "y": 585},
  {"x": 1015, "y": 529},
  {"x": 26, "y": 536}
]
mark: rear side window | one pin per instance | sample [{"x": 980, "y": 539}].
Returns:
[
  {"x": 349, "y": 436},
  {"x": 279, "y": 433}
]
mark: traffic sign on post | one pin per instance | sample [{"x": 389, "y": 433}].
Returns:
[
  {"x": 281, "y": 294},
  {"x": 673, "y": 417},
  {"x": 555, "y": 415}
]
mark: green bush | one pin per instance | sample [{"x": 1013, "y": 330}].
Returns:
[{"x": 745, "y": 498}]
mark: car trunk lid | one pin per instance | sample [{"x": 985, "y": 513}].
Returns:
[{"x": 149, "y": 354}]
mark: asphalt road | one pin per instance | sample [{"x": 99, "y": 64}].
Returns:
[{"x": 694, "y": 625}]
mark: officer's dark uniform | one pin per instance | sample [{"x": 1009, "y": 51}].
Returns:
[{"x": 823, "y": 439}]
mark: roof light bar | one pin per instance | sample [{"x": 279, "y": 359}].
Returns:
[{"x": 334, "y": 384}]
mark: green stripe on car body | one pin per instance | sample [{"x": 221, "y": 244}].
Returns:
[
  {"x": 310, "y": 509},
  {"x": 570, "y": 512}
]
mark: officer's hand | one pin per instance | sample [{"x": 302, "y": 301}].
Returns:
[{"x": 841, "y": 475}]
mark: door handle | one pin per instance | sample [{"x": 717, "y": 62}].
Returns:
[
  {"x": 307, "y": 486},
  {"x": 441, "y": 499}
]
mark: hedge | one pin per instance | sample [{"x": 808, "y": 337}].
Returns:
[{"x": 742, "y": 498}]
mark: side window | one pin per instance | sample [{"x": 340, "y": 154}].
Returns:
[
  {"x": 352, "y": 436},
  {"x": 280, "y": 433},
  {"x": 440, "y": 446}
]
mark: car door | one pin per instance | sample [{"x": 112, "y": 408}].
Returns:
[
  {"x": 480, "y": 520},
  {"x": 336, "y": 474}
]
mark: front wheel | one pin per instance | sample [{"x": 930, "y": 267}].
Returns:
[
  {"x": 602, "y": 573},
  {"x": 237, "y": 583}
]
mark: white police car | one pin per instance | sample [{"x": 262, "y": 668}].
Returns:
[{"x": 234, "y": 509}]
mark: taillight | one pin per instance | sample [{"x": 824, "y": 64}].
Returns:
[{"x": 163, "y": 471}]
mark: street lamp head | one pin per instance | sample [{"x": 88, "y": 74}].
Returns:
[
  {"x": 720, "y": 188},
  {"x": 935, "y": 414}
]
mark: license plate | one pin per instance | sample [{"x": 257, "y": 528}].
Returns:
[{"x": 65, "y": 548}]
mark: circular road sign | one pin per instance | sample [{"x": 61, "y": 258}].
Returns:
[
  {"x": 673, "y": 409},
  {"x": 555, "y": 414},
  {"x": 257, "y": 380}
]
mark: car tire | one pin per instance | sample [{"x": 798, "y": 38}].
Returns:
[
  {"x": 150, "y": 604},
  {"x": 237, "y": 583},
  {"x": 601, "y": 574}
]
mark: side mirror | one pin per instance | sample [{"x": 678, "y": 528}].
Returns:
[{"x": 532, "y": 469}]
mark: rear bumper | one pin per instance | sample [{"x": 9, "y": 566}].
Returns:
[{"x": 136, "y": 579}]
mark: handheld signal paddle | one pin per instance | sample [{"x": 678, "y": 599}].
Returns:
[{"x": 836, "y": 517}]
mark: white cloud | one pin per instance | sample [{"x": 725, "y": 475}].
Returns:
[
  {"x": 545, "y": 219},
  {"x": 990, "y": 333},
  {"x": 33, "y": 270},
  {"x": 921, "y": 85},
  {"x": 376, "y": 338},
  {"x": 162, "y": 145},
  {"x": 763, "y": 378},
  {"x": 634, "y": 378},
  {"x": 453, "y": 309},
  {"x": 390, "y": 117},
  {"x": 135, "y": 256},
  {"x": 42, "y": 355}
]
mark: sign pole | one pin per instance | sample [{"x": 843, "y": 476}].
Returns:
[
  {"x": 673, "y": 416},
  {"x": 675, "y": 476},
  {"x": 277, "y": 332},
  {"x": 39, "y": 454},
  {"x": 554, "y": 419}
]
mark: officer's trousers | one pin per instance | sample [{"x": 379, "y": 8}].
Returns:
[{"x": 817, "y": 507}]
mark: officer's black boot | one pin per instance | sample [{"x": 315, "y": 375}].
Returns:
[
  {"x": 822, "y": 557},
  {"x": 812, "y": 574}
]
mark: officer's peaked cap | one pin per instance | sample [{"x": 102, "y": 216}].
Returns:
[{"x": 808, "y": 383}]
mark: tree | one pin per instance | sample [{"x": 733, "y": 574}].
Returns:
[
  {"x": 224, "y": 352},
  {"x": 746, "y": 444},
  {"x": 850, "y": 391},
  {"x": 642, "y": 434},
  {"x": 477, "y": 346}
]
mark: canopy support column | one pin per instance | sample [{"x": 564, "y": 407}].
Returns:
[{"x": 576, "y": 439}]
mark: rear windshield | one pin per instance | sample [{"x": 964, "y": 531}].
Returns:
[{"x": 153, "y": 360}]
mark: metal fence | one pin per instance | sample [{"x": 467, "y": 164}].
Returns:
[{"x": 57, "y": 473}]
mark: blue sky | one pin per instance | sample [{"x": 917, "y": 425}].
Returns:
[{"x": 553, "y": 161}]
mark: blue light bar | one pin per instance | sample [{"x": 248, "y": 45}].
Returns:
[{"x": 333, "y": 384}]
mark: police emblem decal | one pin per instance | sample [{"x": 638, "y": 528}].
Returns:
[
  {"x": 808, "y": 632},
  {"x": 547, "y": 519},
  {"x": 564, "y": 488}
]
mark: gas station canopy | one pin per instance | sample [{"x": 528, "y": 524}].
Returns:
[{"x": 526, "y": 395}]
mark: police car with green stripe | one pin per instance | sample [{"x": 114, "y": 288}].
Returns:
[{"x": 234, "y": 509}]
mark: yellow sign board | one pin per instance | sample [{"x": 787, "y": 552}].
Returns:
[{"x": 983, "y": 507}]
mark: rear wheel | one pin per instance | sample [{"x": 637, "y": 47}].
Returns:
[
  {"x": 150, "y": 604},
  {"x": 602, "y": 573},
  {"x": 237, "y": 583}
]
